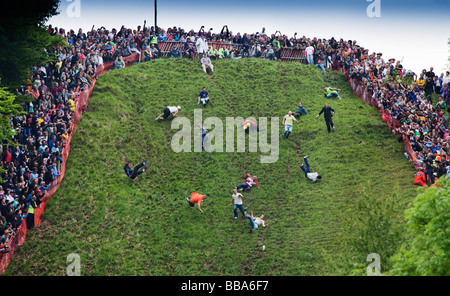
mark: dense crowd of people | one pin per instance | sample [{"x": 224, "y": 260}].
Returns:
[{"x": 43, "y": 131}]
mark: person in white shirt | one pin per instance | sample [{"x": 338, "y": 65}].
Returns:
[
  {"x": 255, "y": 222},
  {"x": 238, "y": 203},
  {"x": 309, "y": 52},
  {"x": 206, "y": 63},
  {"x": 167, "y": 112},
  {"x": 202, "y": 46},
  {"x": 312, "y": 176}
]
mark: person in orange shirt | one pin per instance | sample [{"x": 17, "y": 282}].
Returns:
[
  {"x": 419, "y": 178},
  {"x": 196, "y": 198}
]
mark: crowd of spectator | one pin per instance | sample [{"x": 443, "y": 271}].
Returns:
[{"x": 43, "y": 131}]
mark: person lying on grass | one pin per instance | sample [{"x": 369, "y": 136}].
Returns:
[
  {"x": 134, "y": 173},
  {"x": 247, "y": 185},
  {"x": 255, "y": 222}
]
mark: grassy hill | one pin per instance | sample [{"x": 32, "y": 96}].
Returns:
[{"x": 145, "y": 227}]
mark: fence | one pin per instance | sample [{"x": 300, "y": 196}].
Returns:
[{"x": 82, "y": 100}]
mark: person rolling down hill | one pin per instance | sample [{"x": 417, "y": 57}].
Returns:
[
  {"x": 134, "y": 173},
  {"x": 255, "y": 221},
  {"x": 247, "y": 185},
  {"x": 168, "y": 111},
  {"x": 332, "y": 92},
  {"x": 250, "y": 125},
  {"x": 419, "y": 178},
  {"x": 312, "y": 176},
  {"x": 196, "y": 198}
]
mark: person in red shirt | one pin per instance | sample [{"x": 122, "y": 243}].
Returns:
[
  {"x": 196, "y": 198},
  {"x": 419, "y": 178}
]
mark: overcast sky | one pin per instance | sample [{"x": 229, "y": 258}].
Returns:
[{"x": 414, "y": 31}]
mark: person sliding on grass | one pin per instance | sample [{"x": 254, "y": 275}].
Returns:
[
  {"x": 196, "y": 198},
  {"x": 255, "y": 221},
  {"x": 312, "y": 176},
  {"x": 133, "y": 173},
  {"x": 203, "y": 97},
  {"x": 332, "y": 92},
  {"x": 249, "y": 182},
  {"x": 167, "y": 111}
]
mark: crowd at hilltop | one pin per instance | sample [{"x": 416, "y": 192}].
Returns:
[{"x": 43, "y": 131}]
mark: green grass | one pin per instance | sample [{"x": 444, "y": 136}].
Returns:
[{"x": 145, "y": 227}]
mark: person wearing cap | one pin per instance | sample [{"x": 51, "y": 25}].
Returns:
[
  {"x": 169, "y": 110},
  {"x": 196, "y": 198},
  {"x": 174, "y": 52},
  {"x": 419, "y": 178},
  {"x": 206, "y": 63},
  {"x": 255, "y": 222}
]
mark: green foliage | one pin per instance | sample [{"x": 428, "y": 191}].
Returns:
[
  {"x": 24, "y": 39},
  {"x": 427, "y": 251},
  {"x": 145, "y": 227},
  {"x": 8, "y": 109}
]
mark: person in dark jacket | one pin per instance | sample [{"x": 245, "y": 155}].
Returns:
[
  {"x": 328, "y": 114},
  {"x": 133, "y": 173}
]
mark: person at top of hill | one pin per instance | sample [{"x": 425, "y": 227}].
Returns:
[
  {"x": 312, "y": 176},
  {"x": 169, "y": 110},
  {"x": 332, "y": 92},
  {"x": 196, "y": 198},
  {"x": 206, "y": 63}
]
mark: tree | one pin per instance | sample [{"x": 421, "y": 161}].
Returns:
[
  {"x": 24, "y": 39},
  {"x": 427, "y": 252},
  {"x": 7, "y": 110}
]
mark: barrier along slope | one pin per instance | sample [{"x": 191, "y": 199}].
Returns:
[{"x": 82, "y": 100}]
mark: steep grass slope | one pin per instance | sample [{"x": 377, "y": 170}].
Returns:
[{"x": 145, "y": 227}]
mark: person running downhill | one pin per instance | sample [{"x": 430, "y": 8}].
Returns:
[
  {"x": 328, "y": 114},
  {"x": 238, "y": 204},
  {"x": 288, "y": 121}
]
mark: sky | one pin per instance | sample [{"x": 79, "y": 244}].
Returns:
[{"x": 415, "y": 32}]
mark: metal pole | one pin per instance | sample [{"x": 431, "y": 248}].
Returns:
[{"x": 156, "y": 14}]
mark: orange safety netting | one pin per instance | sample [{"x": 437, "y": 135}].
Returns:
[
  {"x": 81, "y": 103},
  {"x": 359, "y": 90}
]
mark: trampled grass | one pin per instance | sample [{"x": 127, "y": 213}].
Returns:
[{"x": 145, "y": 227}]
